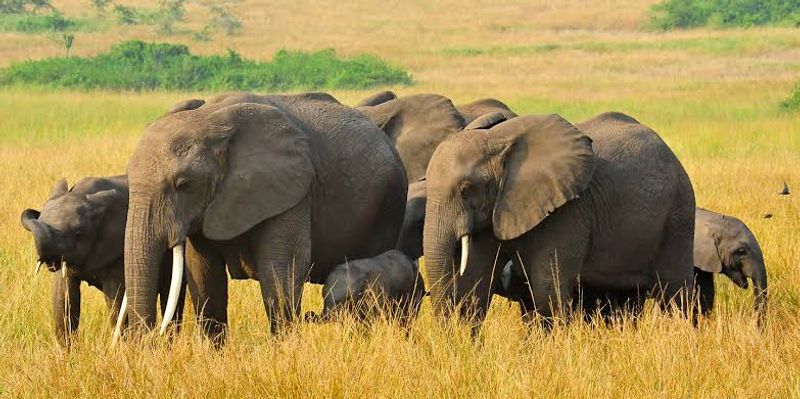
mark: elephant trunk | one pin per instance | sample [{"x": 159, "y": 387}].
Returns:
[
  {"x": 143, "y": 251},
  {"x": 439, "y": 242},
  {"x": 758, "y": 274}
]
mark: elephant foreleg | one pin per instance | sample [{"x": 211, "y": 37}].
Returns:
[
  {"x": 66, "y": 300},
  {"x": 113, "y": 290},
  {"x": 282, "y": 253},
  {"x": 704, "y": 284},
  {"x": 208, "y": 286}
]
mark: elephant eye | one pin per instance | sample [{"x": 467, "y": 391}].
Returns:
[
  {"x": 182, "y": 183},
  {"x": 740, "y": 252},
  {"x": 465, "y": 188}
]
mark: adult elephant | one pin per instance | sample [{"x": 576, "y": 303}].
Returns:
[
  {"x": 724, "y": 244},
  {"x": 606, "y": 201},
  {"x": 417, "y": 124},
  {"x": 271, "y": 183}
]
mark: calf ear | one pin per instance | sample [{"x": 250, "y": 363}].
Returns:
[
  {"x": 102, "y": 199},
  {"x": 486, "y": 121},
  {"x": 60, "y": 188},
  {"x": 706, "y": 249}
]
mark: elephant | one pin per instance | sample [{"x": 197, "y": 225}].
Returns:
[
  {"x": 724, "y": 244},
  {"x": 388, "y": 284},
  {"x": 605, "y": 203},
  {"x": 416, "y": 124},
  {"x": 475, "y": 109},
  {"x": 377, "y": 98},
  {"x": 265, "y": 184},
  {"x": 79, "y": 236}
]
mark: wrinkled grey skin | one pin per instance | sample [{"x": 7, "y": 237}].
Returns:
[
  {"x": 475, "y": 109},
  {"x": 265, "y": 184},
  {"x": 377, "y": 98},
  {"x": 606, "y": 201},
  {"x": 388, "y": 284},
  {"x": 723, "y": 244},
  {"x": 85, "y": 227},
  {"x": 416, "y": 124}
]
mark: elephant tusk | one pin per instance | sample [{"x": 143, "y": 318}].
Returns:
[
  {"x": 464, "y": 253},
  {"x": 123, "y": 314},
  {"x": 174, "y": 287},
  {"x": 38, "y": 268},
  {"x": 63, "y": 269}
]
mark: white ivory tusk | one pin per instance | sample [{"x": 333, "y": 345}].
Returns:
[
  {"x": 464, "y": 253},
  {"x": 123, "y": 313},
  {"x": 63, "y": 268},
  {"x": 174, "y": 287},
  {"x": 38, "y": 267}
]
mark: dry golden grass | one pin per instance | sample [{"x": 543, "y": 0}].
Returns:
[{"x": 711, "y": 94}]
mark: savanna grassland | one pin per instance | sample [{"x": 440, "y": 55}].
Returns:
[{"x": 713, "y": 95}]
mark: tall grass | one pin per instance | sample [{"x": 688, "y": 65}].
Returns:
[{"x": 717, "y": 109}]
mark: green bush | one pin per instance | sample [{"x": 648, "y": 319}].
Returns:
[
  {"x": 793, "y": 102},
  {"x": 135, "y": 65},
  {"x": 36, "y": 23},
  {"x": 674, "y": 14}
]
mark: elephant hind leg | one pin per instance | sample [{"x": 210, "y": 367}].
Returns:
[{"x": 674, "y": 264}]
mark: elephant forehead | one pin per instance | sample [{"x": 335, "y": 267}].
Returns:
[{"x": 64, "y": 213}]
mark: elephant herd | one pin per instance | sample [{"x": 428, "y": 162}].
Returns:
[{"x": 596, "y": 216}]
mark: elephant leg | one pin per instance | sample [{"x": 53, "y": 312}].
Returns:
[
  {"x": 66, "y": 300},
  {"x": 164, "y": 282},
  {"x": 675, "y": 264},
  {"x": 113, "y": 289},
  {"x": 208, "y": 287},
  {"x": 704, "y": 286},
  {"x": 282, "y": 252},
  {"x": 552, "y": 272}
]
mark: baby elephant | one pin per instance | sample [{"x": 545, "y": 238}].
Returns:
[
  {"x": 723, "y": 244},
  {"x": 389, "y": 283},
  {"x": 79, "y": 236}
]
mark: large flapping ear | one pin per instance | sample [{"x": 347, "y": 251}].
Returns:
[
  {"x": 547, "y": 162},
  {"x": 187, "y": 105},
  {"x": 706, "y": 248},
  {"x": 268, "y": 169},
  {"x": 60, "y": 188}
]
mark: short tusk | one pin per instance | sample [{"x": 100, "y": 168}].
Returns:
[
  {"x": 123, "y": 314},
  {"x": 63, "y": 269},
  {"x": 174, "y": 287},
  {"x": 464, "y": 253},
  {"x": 38, "y": 267}
]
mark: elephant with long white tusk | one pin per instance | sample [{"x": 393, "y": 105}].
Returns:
[{"x": 79, "y": 236}]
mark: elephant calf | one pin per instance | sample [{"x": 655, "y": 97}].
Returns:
[
  {"x": 390, "y": 283},
  {"x": 723, "y": 244},
  {"x": 79, "y": 236}
]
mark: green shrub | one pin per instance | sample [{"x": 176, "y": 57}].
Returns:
[
  {"x": 35, "y": 23},
  {"x": 792, "y": 103},
  {"x": 135, "y": 65},
  {"x": 24, "y": 6},
  {"x": 673, "y": 14}
]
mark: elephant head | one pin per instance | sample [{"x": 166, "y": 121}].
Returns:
[
  {"x": 723, "y": 244},
  {"x": 502, "y": 181},
  {"x": 80, "y": 228},
  {"x": 215, "y": 169}
]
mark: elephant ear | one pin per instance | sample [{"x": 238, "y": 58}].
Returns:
[
  {"x": 706, "y": 248},
  {"x": 187, "y": 105},
  {"x": 60, "y": 188},
  {"x": 547, "y": 162},
  {"x": 27, "y": 218},
  {"x": 486, "y": 121},
  {"x": 268, "y": 168}
]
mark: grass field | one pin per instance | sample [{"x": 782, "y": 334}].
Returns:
[{"x": 712, "y": 95}]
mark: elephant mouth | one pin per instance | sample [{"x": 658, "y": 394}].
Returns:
[{"x": 52, "y": 263}]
